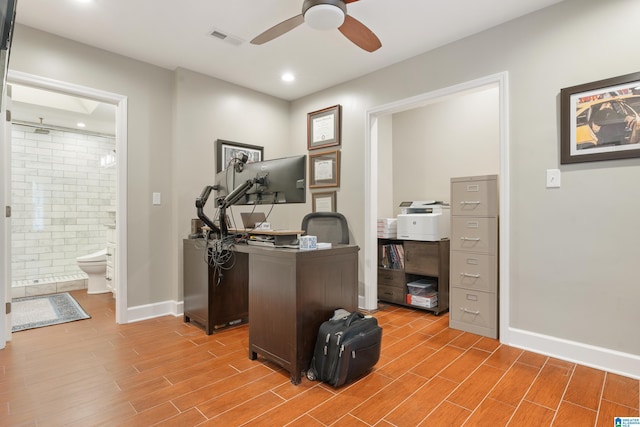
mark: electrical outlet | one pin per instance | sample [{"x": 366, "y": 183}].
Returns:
[{"x": 553, "y": 178}]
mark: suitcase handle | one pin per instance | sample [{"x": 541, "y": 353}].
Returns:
[{"x": 352, "y": 317}]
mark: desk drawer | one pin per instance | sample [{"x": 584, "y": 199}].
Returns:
[
  {"x": 474, "y": 271},
  {"x": 474, "y": 196},
  {"x": 473, "y": 308},
  {"x": 474, "y": 234}
]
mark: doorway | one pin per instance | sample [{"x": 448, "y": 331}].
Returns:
[
  {"x": 376, "y": 117},
  {"x": 120, "y": 158}
]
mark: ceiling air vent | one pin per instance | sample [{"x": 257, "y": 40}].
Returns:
[{"x": 227, "y": 38}]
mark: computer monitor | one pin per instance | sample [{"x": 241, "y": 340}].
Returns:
[{"x": 280, "y": 180}]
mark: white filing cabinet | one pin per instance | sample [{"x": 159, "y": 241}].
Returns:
[{"x": 474, "y": 255}]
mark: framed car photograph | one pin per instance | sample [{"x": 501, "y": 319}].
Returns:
[
  {"x": 600, "y": 120},
  {"x": 227, "y": 151},
  {"x": 324, "y": 128}
]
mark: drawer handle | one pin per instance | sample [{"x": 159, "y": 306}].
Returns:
[
  {"x": 464, "y": 310},
  {"x": 475, "y": 276},
  {"x": 470, "y": 203},
  {"x": 470, "y": 239}
]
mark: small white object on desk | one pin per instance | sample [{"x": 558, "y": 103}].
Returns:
[
  {"x": 322, "y": 245},
  {"x": 308, "y": 243},
  {"x": 263, "y": 226}
]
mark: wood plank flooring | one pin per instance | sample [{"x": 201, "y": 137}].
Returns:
[{"x": 167, "y": 373}]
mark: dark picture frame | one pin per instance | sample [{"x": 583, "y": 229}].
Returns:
[
  {"x": 228, "y": 150},
  {"x": 323, "y": 202},
  {"x": 600, "y": 120},
  {"x": 324, "y": 127},
  {"x": 324, "y": 169}
]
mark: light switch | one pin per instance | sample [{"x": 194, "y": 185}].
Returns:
[
  {"x": 156, "y": 198},
  {"x": 553, "y": 178}
]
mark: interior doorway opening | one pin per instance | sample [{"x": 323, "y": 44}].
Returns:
[
  {"x": 119, "y": 157},
  {"x": 375, "y": 117}
]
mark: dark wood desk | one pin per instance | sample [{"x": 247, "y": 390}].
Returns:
[
  {"x": 291, "y": 292},
  {"x": 210, "y": 301}
]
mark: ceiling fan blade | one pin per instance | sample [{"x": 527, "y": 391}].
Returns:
[
  {"x": 360, "y": 34},
  {"x": 278, "y": 29}
]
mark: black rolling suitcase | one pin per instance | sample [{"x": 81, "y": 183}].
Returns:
[{"x": 346, "y": 348}]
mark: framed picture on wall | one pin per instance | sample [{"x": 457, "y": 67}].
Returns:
[
  {"x": 600, "y": 120},
  {"x": 324, "y": 128},
  {"x": 324, "y": 169},
  {"x": 226, "y": 151},
  {"x": 324, "y": 202}
]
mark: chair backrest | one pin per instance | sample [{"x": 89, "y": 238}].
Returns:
[{"x": 329, "y": 227}]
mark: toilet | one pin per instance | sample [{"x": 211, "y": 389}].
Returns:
[{"x": 95, "y": 265}]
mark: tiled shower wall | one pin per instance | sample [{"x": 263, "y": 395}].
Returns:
[{"x": 63, "y": 188}]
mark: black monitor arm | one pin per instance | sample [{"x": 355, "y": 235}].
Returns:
[
  {"x": 200, "y": 202},
  {"x": 223, "y": 203}
]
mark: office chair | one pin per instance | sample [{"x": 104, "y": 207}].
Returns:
[{"x": 329, "y": 227}]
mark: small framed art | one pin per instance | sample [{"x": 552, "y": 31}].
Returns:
[
  {"x": 324, "y": 169},
  {"x": 324, "y": 128},
  {"x": 226, "y": 151},
  {"x": 324, "y": 202}
]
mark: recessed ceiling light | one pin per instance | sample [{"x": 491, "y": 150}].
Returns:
[
  {"x": 81, "y": 125},
  {"x": 288, "y": 77}
]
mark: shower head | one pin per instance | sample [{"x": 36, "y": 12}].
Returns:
[{"x": 41, "y": 130}]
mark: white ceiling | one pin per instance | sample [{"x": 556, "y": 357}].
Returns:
[{"x": 172, "y": 34}]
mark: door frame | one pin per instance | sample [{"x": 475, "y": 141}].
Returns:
[
  {"x": 120, "y": 102},
  {"x": 501, "y": 80},
  {"x": 5, "y": 224}
]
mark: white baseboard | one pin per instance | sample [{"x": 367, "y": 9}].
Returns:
[
  {"x": 158, "y": 309},
  {"x": 616, "y": 362}
]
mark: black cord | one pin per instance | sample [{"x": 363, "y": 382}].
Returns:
[{"x": 219, "y": 255}]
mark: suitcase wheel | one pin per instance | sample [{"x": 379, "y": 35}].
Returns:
[{"x": 311, "y": 375}]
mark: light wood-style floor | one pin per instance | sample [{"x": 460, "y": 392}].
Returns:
[{"x": 165, "y": 372}]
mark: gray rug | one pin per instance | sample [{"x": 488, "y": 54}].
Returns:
[{"x": 45, "y": 310}]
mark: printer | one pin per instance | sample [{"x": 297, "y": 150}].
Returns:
[{"x": 427, "y": 220}]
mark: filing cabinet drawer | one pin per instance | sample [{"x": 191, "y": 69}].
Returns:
[
  {"x": 477, "y": 196},
  {"x": 474, "y": 271},
  {"x": 391, "y": 278},
  {"x": 391, "y": 294},
  {"x": 474, "y": 234},
  {"x": 473, "y": 311}
]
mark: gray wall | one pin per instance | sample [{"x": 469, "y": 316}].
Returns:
[
  {"x": 455, "y": 137},
  {"x": 151, "y": 263},
  {"x": 207, "y": 109},
  {"x": 573, "y": 250}
]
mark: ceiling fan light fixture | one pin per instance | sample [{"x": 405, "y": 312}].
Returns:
[{"x": 324, "y": 17}]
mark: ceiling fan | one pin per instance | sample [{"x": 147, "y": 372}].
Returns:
[{"x": 326, "y": 15}]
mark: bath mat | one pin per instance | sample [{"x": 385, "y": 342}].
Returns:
[{"x": 45, "y": 310}]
